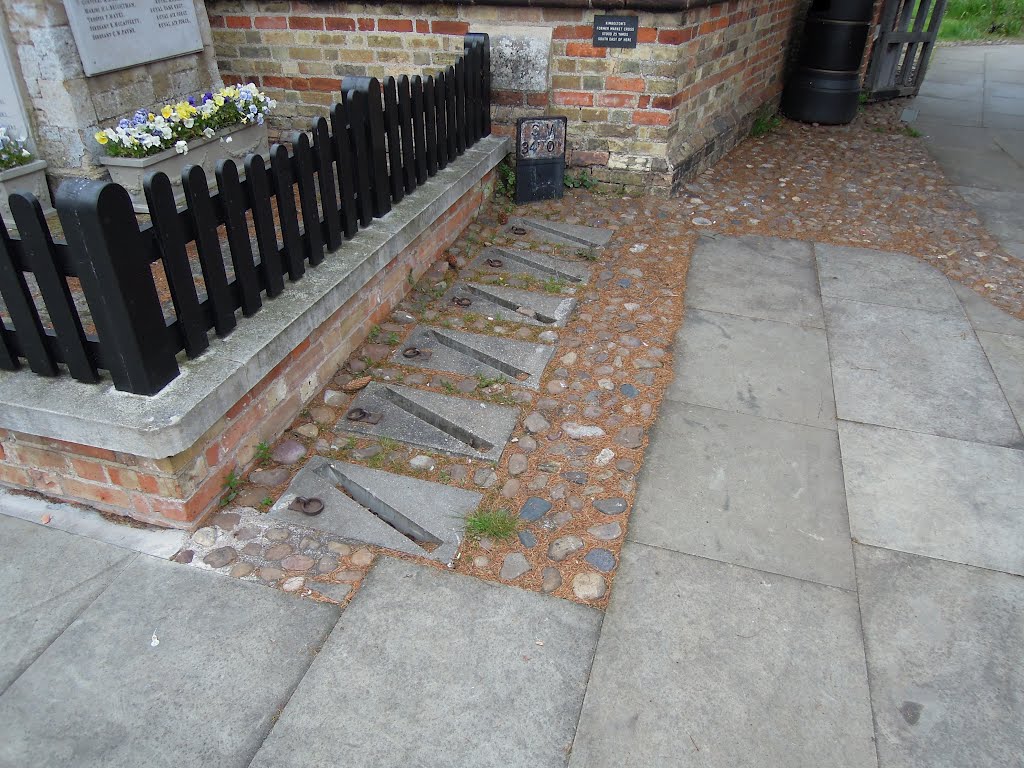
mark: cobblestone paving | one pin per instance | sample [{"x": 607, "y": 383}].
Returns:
[{"x": 569, "y": 473}]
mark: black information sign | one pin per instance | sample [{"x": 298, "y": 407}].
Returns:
[
  {"x": 615, "y": 31},
  {"x": 540, "y": 158}
]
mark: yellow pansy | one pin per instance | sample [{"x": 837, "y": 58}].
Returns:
[{"x": 101, "y": 137}]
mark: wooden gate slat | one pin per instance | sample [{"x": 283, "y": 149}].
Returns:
[
  {"x": 258, "y": 189},
  {"x": 38, "y": 252},
  {"x": 347, "y": 171},
  {"x": 313, "y": 235},
  {"x": 28, "y": 328},
  {"x": 323, "y": 153},
  {"x": 281, "y": 168},
  {"x": 211, "y": 261},
  {"x": 171, "y": 241},
  {"x": 405, "y": 125},
  {"x": 430, "y": 126},
  {"x": 232, "y": 208},
  {"x": 391, "y": 123}
]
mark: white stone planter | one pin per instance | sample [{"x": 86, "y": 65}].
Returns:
[
  {"x": 30, "y": 177},
  {"x": 130, "y": 172}
]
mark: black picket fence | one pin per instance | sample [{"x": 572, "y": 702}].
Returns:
[{"x": 377, "y": 146}]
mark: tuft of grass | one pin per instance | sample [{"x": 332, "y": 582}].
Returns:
[
  {"x": 263, "y": 453},
  {"x": 232, "y": 485},
  {"x": 554, "y": 285},
  {"x": 583, "y": 180},
  {"x": 492, "y": 523},
  {"x": 981, "y": 19},
  {"x": 506, "y": 184},
  {"x": 765, "y": 123}
]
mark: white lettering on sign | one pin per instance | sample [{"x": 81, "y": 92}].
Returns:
[{"x": 117, "y": 34}]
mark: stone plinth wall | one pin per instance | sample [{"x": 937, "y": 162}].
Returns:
[
  {"x": 179, "y": 490},
  {"x": 645, "y": 118},
  {"x": 66, "y": 108}
]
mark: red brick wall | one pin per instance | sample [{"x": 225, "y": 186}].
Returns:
[
  {"x": 637, "y": 116},
  {"x": 179, "y": 490}
]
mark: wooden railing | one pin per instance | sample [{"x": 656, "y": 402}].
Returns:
[{"x": 378, "y": 144}]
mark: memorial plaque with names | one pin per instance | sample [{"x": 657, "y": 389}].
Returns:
[
  {"x": 540, "y": 158},
  {"x": 117, "y": 34},
  {"x": 615, "y": 31}
]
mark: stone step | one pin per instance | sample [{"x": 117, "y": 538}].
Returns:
[
  {"x": 472, "y": 354},
  {"x": 556, "y": 232},
  {"x": 512, "y": 304},
  {"x": 451, "y": 425},
  {"x": 375, "y": 507},
  {"x": 539, "y": 265}
]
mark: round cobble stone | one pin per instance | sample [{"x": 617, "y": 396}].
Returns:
[
  {"x": 220, "y": 557},
  {"x": 297, "y": 563},
  {"x": 606, "y": 532},
  {"x": 514, "y": 566},
  {"x": 362, "y": 558},
  {"x": 551, "y": 579},
  {"x": 534, "y": 509},
  {"x": 278, "y": 552},
  {"x": 602, "y": 559},
  {"x": 588, "y": 586},
  {"x": 610, "y": 506},
  {"x": 289, "y": 452},
  {"x": 269, "y": 573},
  {"x": 564, "y": 547}
]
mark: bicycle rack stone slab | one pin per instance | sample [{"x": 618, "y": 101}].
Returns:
[
  {"x": 539, "y": 265},
  {"x": 512, "y": 304},
  {"x": 381, "y": 508},
  {"x": 556, "y": 232},
  {"x": 443, "y": 423},
  {"x": 472, "y": 354}
]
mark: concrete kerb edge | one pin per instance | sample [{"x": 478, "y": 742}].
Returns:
[{"x": 170, "y": 422}]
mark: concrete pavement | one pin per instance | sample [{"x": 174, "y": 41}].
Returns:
[
  {"x": 971, "y": 110},
  {"x": 821, "y": 390}
]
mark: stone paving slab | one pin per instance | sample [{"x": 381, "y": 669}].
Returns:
[
  {"x": 47, "y": 578},
  {"x": 761, "y": 367},
  {"x": 160, "y": 542},
  {"x": 895, "y": 279},
  {"x": 984, "y": 316},
  {"x": 786, "y": 288},
  {"x": 556, "y": 232},
  {"x": 1006, "y": 354},
  {"x": 750, "y": 491},
  {"x": 935, "y": 496},
  {"x": 709, "y": 664},
  {"x": 452, "y": 425},
  {"x": 205, "y": 692},
  {"x": 944, "y": 660},
  {"x": 918, "y": 370},
  {"x": 474, "y": 674},
  {"x": 385, "y": 509},
  {"x": 539, "y": 265},
  {"x": 512, "y": 305},
  {"x": 473, "y": 354}
]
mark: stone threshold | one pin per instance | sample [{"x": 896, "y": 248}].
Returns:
[{"x": 175, "y": 419}]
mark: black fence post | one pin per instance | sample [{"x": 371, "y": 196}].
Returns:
[{"x": 110, "y": 258}]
